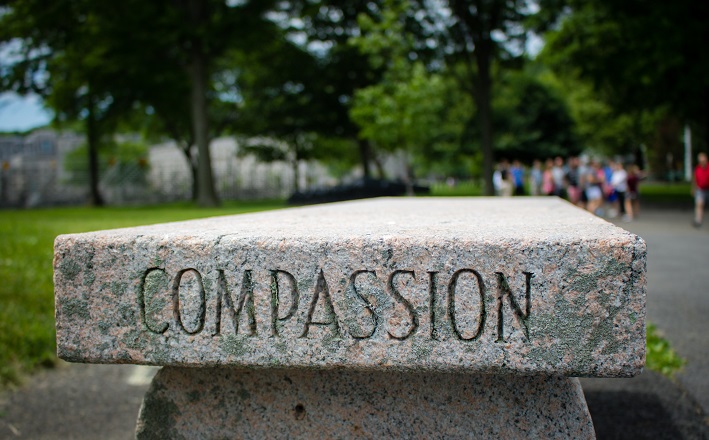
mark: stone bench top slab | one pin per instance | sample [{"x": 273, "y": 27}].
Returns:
[{"x": 522, "y": 285}]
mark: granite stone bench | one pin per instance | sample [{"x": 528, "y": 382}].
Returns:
[{"x": 406, "y": 318}]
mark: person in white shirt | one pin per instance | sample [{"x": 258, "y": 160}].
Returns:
[{"x": 619, "y": 181}]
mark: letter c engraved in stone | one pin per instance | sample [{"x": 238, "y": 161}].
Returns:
[
  {"x": 152, "y": 284},
  {"x": 176, "y": 301},
  {"x": 451, "y": 304},
  {"x": 397, "y": 296}
]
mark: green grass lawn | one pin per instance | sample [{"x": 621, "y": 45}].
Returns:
[
  {"x": 662, "y": 192},
  {"x": 462, "y": 188},
  {"x": 26, "y": 288}
]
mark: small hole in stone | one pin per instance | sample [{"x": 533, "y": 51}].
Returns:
[{"x": 299, "y": 411}]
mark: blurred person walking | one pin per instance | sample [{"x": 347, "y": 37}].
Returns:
[
  {"x": 535, "y": 178},
  {"x": 548, "y": 179},
  {"x": 558, "y": 173},
  {"x": 506, "y": 185},
  {"x": 594, "y": 191},
  {"x": 610, "y": 198},
  {"x": 632, "y": 197},
  {"x": 619, "y": 182},
  {"x": 517, "y": 177},
  {"x": 573, "y": 188},
  {"x": 700, "y": 188}
]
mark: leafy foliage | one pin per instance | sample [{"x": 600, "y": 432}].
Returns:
[
  {"x": 660, "y": 356},
  {"x": 643, "y": 58},
  {"x": 532, "y": 120}
]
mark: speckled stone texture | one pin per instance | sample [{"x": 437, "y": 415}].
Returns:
[
  {"x": 501, "y": 286},
  {"x": 231, "y": 403}
]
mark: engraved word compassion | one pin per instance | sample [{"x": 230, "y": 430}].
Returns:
[{"x": 463, "y": 303}]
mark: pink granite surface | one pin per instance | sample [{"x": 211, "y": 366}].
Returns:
[
  {"x": 523, "y": 286},
  {"x": 229, "y": 403}
]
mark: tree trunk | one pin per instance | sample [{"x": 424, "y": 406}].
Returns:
[
  {"x": 92, "y": 138},
  {"x": 364, "y": 155},
  {"x": 206, "y": 194},
  {"x": 483, "y": 97},
  {"x": 296, "y": 174},
  {"x": 380, "y": 167},
  {"x": 187, "y": 151}
]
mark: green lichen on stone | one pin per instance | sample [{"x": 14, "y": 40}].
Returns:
[
  {"x": 160, "y": 355},
  {"x": 75, "y": 308},
  {"x": 332, "y": 342},
  {"x": 104, "y": 327},
  {"x": 156, "y": 298},
  {"x": 158, "y": 416},
  {"x": 421, "y": 351},
  {"x": 281, "y": 347},
  {"x": 89, "y": 278},
  {"x": 588, "y": 282},
  {"x": 306, "y": 284},
  {"x": 157, "y": 261},
  {"x": 136, "y": 340},
  {"x": 233, "y": 345},
  {"x": 69, "y": 268},
  {"x": 577, "y": 333},
  {"x": 126, "y": 313},
  {"x": 118, "y": 288},
  {"x": 74, "y": 355}
]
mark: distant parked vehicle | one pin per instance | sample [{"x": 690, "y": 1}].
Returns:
[{"x": 360, "y": 189}]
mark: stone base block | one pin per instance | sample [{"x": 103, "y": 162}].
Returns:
[{"x": 234, "y": 403}]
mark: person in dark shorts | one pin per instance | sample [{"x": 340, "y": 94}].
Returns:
[
  {"x": 700, "y": 188},
  {"x": 632, "y": 196}
]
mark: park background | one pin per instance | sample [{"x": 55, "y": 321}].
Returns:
[{"x": 169, "y": 110}]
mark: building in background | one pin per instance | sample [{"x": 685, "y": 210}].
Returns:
[{"x": 36, "y": 170}]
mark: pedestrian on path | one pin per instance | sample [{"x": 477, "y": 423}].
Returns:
[{"x": 700, "y": 188}]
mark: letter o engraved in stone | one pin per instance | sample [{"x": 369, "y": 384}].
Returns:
[
  {"x": 451, "y": 304},
  {"x": 367, "y": 305},
  {"x": 154, "y": 300},
  {"x": 189, "y": 281},
  {"x": 409, "y": 308}
]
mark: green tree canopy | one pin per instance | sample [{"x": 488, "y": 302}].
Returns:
[{"x": 639, "y": 56}]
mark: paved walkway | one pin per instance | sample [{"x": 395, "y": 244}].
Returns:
[{"x": 98, "y": 401}]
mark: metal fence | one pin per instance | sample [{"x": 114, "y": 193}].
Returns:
[{"x": 48, "y": 181}]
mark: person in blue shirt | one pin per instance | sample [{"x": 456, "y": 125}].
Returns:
[{"x": 517, "y": 174}]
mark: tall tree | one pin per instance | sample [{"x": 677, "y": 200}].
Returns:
[
  {"x": 640, "y": 56},
  {"x": 532, "y": 119},
  {"x": 324, "y": 29},
  {"x": 478, "y": 33},
  {"x": 58, "y": 51}
]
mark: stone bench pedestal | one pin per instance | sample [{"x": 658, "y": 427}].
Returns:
[
  {"x": 235, "y": 403},
  {"x": 389, "y": 317}
]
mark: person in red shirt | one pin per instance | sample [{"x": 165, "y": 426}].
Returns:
[{"x": 700, "y": 188}]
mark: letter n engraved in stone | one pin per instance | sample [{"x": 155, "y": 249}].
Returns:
[
  {"x": 201, "y": 312},
  {"x": 397, "y": 296},
  {"x": 153, "y": 298},
  {"x": 451, "y": 304},
  {"x": 368, "y": 306},
  {"x": 245, "y": 300},
  {"x": 276, "y": 319},
  {"x": 432, "y": 300},
  {"x": 321, "y": 288},
  {"x": 503, "y": 289}
]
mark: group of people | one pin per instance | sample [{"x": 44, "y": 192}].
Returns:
[{"x": 607, "y": 188}]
